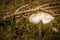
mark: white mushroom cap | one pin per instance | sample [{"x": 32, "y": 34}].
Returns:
[{"x": 44, "y": 17}]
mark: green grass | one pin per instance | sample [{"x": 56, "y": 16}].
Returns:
[{"x": 24, "y": 30}]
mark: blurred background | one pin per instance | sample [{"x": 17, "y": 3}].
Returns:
[{"x": 21, "y": 28}]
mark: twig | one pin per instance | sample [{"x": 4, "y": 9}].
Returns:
[
  {"x": 27, "y": 5},
  {"x": 43, "y": 7}
]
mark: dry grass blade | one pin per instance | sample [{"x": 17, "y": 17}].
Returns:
[
  {"x": 23, "y": 6},
  {"x": 43, "y": 7},
  {"x": 32, "y": 10},
  {"x": 26, "y": 11}
]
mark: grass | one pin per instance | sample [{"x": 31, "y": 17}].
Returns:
[{"x": 24, "y": 30}]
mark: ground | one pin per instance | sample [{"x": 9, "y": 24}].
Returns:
[{"x": 23, "y": 29}]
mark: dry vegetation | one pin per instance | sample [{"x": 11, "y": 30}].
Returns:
[{"x": 14, "y": 24}]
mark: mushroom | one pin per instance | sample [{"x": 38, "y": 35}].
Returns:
[{"x": 42, "y": 16}]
